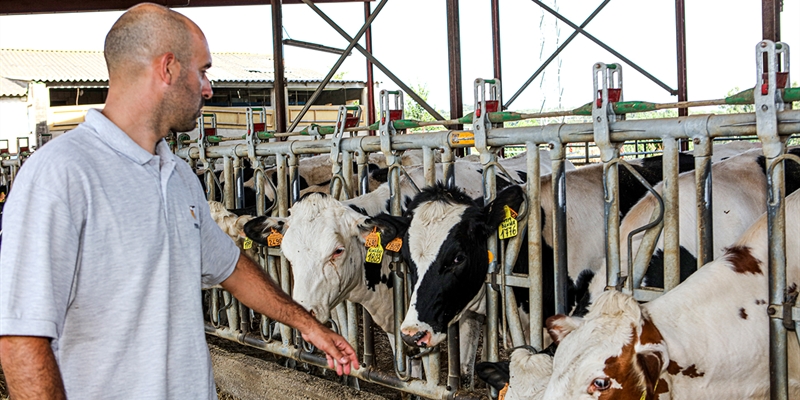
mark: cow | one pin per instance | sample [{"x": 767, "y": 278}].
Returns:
[
  {"x": 233, "y": 224},
  {"x": 707, "y": 338},
  {"x": 324, "y": 241},
  {"x": 738, "y": 198},
  {"x": 447, "y": 293}
]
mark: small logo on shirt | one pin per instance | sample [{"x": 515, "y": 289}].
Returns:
[{"x": 191, "y": 210}]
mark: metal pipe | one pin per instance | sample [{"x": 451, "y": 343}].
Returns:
[
  {"x": 329, "y": 76},
  {"x": 511, "y": 311},
  {"x": 771, "y": 20},
  {"x": 283, "y": 211},
  {"x": 555, "y": 54},
  {"x": 228, "y": 189},
  {"x": 680, "y": 48},
  {"x": 703, "y": 189},
  {"x": 535, "y": 279},
  {"x": 428, "y": 166},
  {"x": 496, "y": 53},
  {"x": 606, "y": 47},
  {"x": 559, "y": 227},
  {"x": 370, "y": 106},
  {"x": 488, "y": 159},
  {"x": 669, "y": 192}
]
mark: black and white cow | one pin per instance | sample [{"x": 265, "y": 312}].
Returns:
[
  {"x": 324, "y": 241},
  {"x": 707, "y": 338},
  {"x": 738, "y": 198}
]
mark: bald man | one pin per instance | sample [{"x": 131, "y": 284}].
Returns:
[{"x": 108, "y": 240}]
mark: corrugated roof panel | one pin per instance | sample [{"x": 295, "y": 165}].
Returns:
[
  {"x": 81, "y": 66},
  {"x": 9, "y": 88}
]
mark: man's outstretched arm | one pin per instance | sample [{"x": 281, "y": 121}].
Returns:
[
  {"x": 251, "y": 285},
  {"x": 30, "y": 368}
]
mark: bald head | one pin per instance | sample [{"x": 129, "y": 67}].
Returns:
[{"x": 145, "y": 32}]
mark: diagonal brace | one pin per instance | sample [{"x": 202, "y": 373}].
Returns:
[{"x": 607, "y": 48}]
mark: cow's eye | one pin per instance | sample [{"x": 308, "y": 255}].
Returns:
[
  {"x": 459, "y": 259},
  {"x": 601, "y": 384},
  {"x": 338, "y": 252}
]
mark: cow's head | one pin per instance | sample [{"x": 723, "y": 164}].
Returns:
[
  {"x": 445, "y": 248},
  {"x": 324, "y": 241},
  {"x": 615, "y": 352}
]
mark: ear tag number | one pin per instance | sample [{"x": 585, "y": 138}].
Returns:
[
  {"x": 373, "y": 239},
  {"x": 508, "y": 228},
  {"x": 395, "y": 245},
  {"x": 274, "y": 239},
  {"x": 375, "y": 253},
  {"x": 248, "y": 244}
]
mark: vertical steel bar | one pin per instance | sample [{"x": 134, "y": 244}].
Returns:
[
  {"x": 283, "y": 211},
  {"x": 771, "y": 20},
  {"x": 535, "y": 245},
  {"x": 398, "y": 275},
  {"x": 776, "y": 231},
  {"x": 279, "y": 83},
  {"x": 370, "y": 106},
  {"x": 611, "y": 211},
  {"x": 347, "y": 172},
  {"x": 428, "y": 166},
  {"x": 227, "y": 189},
  {"x": 672, "y": 275},
  {"x": 238, "y": 179},
  {"x": 496, "y": 53},
  {"x": 294, "y": 179},
  {"x": 454, "y": 62},
  {"x": 492, "y": 296},
  {"x": 368, "y": 358},
  {"x": 448, "y": 167},
  {"x": 702, "y": 175},
  {"x": 453, "y": 333},
  {"x": 680, "y": 48},
  {"x": 559, "y": 217}
]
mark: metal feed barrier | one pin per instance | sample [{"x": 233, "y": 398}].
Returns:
[{"x": 772, "y": 122}]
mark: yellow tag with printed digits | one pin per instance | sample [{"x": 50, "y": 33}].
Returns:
[
  {"x": 394, "y": 245},
  {"x": 373, "y": 239},
  {"x": 508, "y": 228},
  {"x": 274, "y": 239},
  {"x": 375, "y": 253},
  {"x": 248, "y": 244}
]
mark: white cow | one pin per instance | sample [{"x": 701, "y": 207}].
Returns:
[
  {"x": 707, "y": 338},
  {"x": 324, "y": 241},
  {"x": 233, "y": 225}
]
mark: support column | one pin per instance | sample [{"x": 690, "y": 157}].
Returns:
[
  {"x": 279, "y": 88},
  {"x": 370, "y": 106},
  {"x": 454, "y": 64}
]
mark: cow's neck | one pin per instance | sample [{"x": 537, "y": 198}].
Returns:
[{"x": 379, "y": 302}]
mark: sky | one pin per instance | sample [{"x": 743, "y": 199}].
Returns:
[{"x": 410, "y": 39}]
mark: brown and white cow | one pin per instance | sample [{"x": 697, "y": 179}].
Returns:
[
  {"x": 705, "y": 339},
  {"x": 233, "y": 225}
]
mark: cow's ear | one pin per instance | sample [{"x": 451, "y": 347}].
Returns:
[
  {"x": 559, "y": 326},
  {"x": 390, "y": 227},
  {"x": 494, "y": 212},
  {"x": 259, "y": 228}
]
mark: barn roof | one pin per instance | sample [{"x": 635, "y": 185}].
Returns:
[
  {"x": 12, "y": 88},
  {"x": 90, "y": 66}
]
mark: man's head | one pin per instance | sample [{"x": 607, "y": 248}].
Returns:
[{"x": 152, "y": 41}]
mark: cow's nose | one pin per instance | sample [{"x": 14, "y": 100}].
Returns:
[{"x": 419, "y": 339}]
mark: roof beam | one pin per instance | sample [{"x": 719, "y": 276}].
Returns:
[{"x": 58, "y": 6}]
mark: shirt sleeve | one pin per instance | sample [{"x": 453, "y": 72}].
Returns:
[
  {"x": 219, "y": 253},
  {"x": 38, "y": 260}
]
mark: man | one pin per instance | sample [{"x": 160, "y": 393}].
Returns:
[{"x": 108, "y": 240}]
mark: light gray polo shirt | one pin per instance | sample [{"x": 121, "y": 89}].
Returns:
[{"x": 106, "y": 248}]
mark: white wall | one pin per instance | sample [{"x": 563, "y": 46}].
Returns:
[{"x": 15, "y": 121}]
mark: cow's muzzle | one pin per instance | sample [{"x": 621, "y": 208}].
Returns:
[{"x": 419, "y": 339}]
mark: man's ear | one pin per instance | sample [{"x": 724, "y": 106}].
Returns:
[
  {"x": 168, "y": 68},
  {"x": 559, "y": 326},
  {"x": 494, "y": 213},
  {"x": 259, "y": 228},
  {"x": 390, "y": 227}
]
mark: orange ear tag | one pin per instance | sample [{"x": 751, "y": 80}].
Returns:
[
  {"x": 274, "y": 239},
  {"x": 248, "y": 244},
  {"x": 508, "y": 228},
  {"x": 491, "y": 256},
  {"x": 395, "y": 245},
  {"x": 373, "y": 239}
]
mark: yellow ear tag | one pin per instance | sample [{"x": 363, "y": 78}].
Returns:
[
  {"x": 508, "y": 228},
  {"x": 274, "y": 239},
  {"x": 395, "y": 245},
  {"x": 502, "y": 394},
  {"x": 373, "y": 239},
  {"x": 375, "y": 253},
  {"x": 2, "y": 197},
  {"x": 248, "y": 244}
]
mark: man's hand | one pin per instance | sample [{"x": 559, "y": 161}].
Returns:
[
  {"x": 340, "y": 354},
  {"x": 251, "y": 285}
]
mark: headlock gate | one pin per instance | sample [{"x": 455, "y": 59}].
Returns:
[{"x": 773, "y": 122}]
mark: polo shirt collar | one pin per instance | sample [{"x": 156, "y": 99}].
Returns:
[{"x": 118, "y": 140}]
